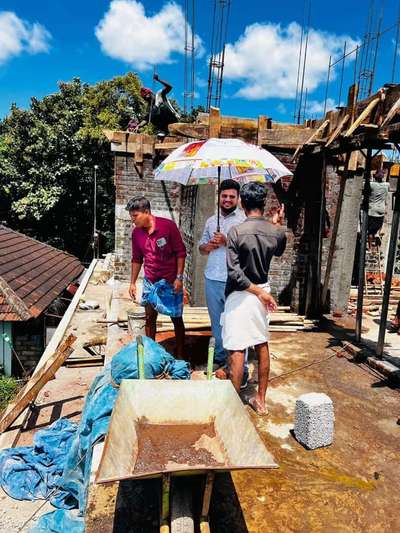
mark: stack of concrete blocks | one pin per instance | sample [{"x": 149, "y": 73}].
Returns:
[{"x": 314, "y": 420}]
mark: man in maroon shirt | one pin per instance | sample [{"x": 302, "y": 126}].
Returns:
[{"x": 157, "y": 243}]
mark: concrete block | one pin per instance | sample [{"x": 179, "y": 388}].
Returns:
[{"x": 314, "y": 420}]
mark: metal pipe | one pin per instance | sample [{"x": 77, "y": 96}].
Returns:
[
  {"x": 342, "y": 74},
  {"x": 389, "y": 271},
  {"x": 363, "y": 246},
  {"x": 95, "y": 242},
  {"x": 218, "y": 193},
  {"x": 327, "y": 83},
  {"x": 396, "y": 47}
]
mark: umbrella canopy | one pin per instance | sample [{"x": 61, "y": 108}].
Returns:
[{"x": 203, "y": 162}]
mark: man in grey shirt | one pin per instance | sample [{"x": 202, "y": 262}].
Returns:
[
  {"x": 377, "y": 205},
  {"x": 245, "y": 321},
  {"x": 213, "y": 244}
]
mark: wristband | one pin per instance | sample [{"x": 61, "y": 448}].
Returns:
[{"x": 179, "y": 277}]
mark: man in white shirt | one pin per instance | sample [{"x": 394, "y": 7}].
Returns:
[{"x": 213, "y": 244}]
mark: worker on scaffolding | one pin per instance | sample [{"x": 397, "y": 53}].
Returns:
[
  {"x": 160, "y": 111},
  {"x": 377, "y": 206},
  {"x": 245, "y": 321}
]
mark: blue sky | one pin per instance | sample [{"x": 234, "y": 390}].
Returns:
[{"x": 43, "y": 42}]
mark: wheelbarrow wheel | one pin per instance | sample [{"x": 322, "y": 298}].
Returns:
[{"x": 182, "y": 509}]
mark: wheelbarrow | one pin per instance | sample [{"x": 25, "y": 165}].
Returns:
[{"x": 163, "y": 428}]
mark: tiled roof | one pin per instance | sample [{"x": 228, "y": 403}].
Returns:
[{"x": 32, "y": 275}]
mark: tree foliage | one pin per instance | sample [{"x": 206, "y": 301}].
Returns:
[{"x": 47, "y": 159}]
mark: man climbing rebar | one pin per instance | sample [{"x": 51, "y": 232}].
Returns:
[{"x": 160, "y": 111}]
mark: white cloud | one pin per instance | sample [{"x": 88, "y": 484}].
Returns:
[
  {"x": 127, "y": 33},
  {"x": 265, "y": 59},
  {"x": 18, "y": 36},
  {"x": 314, "y": 107}
]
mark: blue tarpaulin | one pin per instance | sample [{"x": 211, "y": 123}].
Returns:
[{"x": 57, "y": 467}]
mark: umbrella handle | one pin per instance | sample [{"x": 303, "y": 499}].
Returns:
[{"x": 218, "y": 193}]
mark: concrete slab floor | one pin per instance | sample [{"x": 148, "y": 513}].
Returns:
[{"x": 351, "y": 486}]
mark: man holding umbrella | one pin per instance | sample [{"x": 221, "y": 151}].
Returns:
[{"x": 213, "y": 244}]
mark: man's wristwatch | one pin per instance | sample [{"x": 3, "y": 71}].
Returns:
[{"x": 179, "y": 277}]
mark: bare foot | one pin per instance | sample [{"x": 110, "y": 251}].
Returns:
[
  {"x": 258, "y": 408},
  {"x": 221, "y": 373}
]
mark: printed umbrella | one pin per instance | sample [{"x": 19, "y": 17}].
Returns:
[{"x": 204, "y": 162}]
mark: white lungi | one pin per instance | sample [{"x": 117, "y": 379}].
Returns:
[{"x": 245, "y": 320}]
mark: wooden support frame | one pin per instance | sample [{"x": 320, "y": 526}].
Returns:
[
  {"x": 392, "y": 112},
  {"x": 338, "y": 130},
  {"x": 364, "y": 115},
  {"x": 313, "y": 137},
  {"x": 215, "y": 122},
  {"x": 28, "y": 394}
]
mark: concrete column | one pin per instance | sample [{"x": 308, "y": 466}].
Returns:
[
  {"x": 205, "y": 208},
  {"x": 343, "y": 259}
]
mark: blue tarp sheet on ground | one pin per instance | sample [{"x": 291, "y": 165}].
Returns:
[{"x": 57, "y": 467}]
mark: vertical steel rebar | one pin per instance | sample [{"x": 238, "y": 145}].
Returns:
[
  {"x": 363, "y": 245},
  {"x": 342, "y": 73},
  {"x": 327, "y": 83},
  {"x": 396, "y": 47},
  {"x": 304, "y": 62},
  {"x": 299, "y": 63}
]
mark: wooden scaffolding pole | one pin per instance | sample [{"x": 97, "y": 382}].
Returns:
[{"x": 363, "y": 245}]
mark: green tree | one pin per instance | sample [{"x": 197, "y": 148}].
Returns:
[{"x": 47, "y": 158}]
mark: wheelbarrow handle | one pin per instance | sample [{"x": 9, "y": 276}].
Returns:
[
  {"x": 210, "y": 359},
  {"x": 140, "y": 357}
]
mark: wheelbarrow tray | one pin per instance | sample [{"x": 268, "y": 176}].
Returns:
[{"x": 162, "y": 407}]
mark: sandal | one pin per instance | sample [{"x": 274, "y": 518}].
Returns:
[{"x": 255, "y": 405}]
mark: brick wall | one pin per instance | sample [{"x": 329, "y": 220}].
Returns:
[
  {"x": 28, "y": 342},
  {"x": 301, "y": 194},
  {"x": 164, "y": 199}
]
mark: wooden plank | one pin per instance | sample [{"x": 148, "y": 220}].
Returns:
[
  {"x": 352, "y": 101},
  {"x": 285, "y": 137},
  {"x": 215, "y": 122},
  {"x": 338, "y": 130},
  {"x": 314, "y": 136},
  {"x": 167, "y": 146},
  {"x": 139, "y": 150},
  {"x": 367, "y": 111},
  {"x": 102, "y": 497},
  {"x": 36, "y": 383},
  {"x": 392, "y": 112},
  {"x": 261, "y": 125}
]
